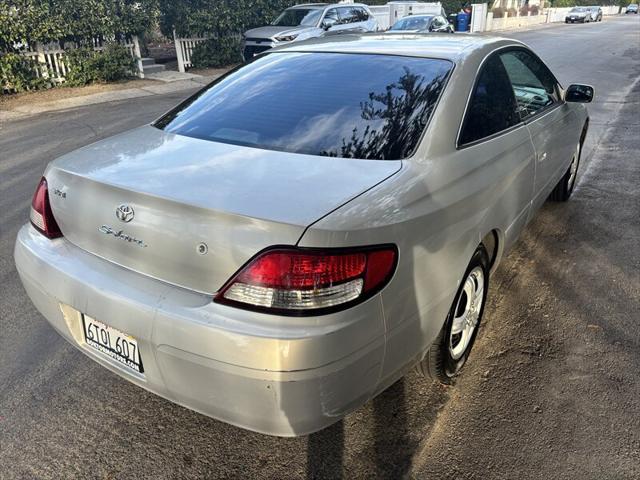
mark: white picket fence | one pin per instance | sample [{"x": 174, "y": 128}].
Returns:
[
  {"x": 50, "y": 57},
  {"x": 185, "y": 46},
  {"x": 184, "y": 49},
  {"x": 483, "y": 20}
]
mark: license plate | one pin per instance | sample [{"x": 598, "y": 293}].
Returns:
[{"x": 112, "y": 342}]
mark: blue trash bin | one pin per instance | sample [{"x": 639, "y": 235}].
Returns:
[{"x": 463, "y": 22}]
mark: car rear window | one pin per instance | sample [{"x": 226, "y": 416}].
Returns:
[{"x": 330, "y": 104}]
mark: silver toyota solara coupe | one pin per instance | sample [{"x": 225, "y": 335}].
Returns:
[{"x": 285, "y": 244}]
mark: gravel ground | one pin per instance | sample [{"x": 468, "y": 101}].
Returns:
[{"x": 551, "y": 389}]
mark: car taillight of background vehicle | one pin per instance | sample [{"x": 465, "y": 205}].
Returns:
[
  {"x": 304, "y": 281},
  {"x": 41, "y": 215}
]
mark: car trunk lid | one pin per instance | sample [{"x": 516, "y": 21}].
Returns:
[{"x": 199, "y": 209}]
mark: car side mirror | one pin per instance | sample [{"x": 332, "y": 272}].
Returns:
[
  {"x": 327, "y": 23},
  {"x": 579, "y": 93}
]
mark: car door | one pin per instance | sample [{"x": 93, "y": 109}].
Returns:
[
  {"x": 494, "y": 142},
  {"x": 549, "y": 120}
]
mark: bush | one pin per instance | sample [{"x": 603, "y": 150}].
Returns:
[
  {"x": 86, "y": 65},
  {"x": 217, "y": 52},
  {"x": 217, "y": 17},
  {"x": 498, "y": 12},
  {"x": 18, "y": 73},
  {"x": 31, "y": 21}
]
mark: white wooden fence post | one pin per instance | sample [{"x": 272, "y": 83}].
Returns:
[
  {"x": 42, "y": 60},
  {"x": 136, "y": 52},
  {"x": 179, "y": 53}
]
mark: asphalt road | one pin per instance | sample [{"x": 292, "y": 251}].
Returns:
[{"x": 551, "y": 391}]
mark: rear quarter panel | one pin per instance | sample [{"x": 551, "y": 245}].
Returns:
[{"x": 436, "y": 209}]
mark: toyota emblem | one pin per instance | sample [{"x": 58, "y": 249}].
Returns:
[{"x": 124, "y": 213}]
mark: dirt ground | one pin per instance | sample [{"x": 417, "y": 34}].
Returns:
[{"x": 9, "y": 102}]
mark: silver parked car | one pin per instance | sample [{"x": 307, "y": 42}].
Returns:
[
  {"x": 578, "y": 15},
  {"x": 596, "y": 13},
  {"x": 302, "y": 22},
  {"x": 284, "y": 245},
  {"x": 422, "y": 24}
]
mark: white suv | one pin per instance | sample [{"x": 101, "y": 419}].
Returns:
[{"x": 307, "y": 21}]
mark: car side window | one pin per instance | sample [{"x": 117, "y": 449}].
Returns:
[
  {"x": 347, "y": 15},
  {"x": 533, "y": 84},
  {"x": 361, "y": 14},
  {"x": 438, "y": 22},
  {"x": 492, "y": 106},
  {"x": 331, "y": 14}
]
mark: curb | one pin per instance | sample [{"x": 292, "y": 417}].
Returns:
[{"x": 105, "y": 97}]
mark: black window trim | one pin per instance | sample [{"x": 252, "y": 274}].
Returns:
[
  {"x": 460, "y": 146},
  {"x": 499, "y": 51}
]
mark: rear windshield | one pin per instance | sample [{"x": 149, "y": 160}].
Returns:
[{"x": 330, "y": 104}]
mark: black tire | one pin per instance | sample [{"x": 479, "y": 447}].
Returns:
[
  {"x": 563, "y": 190},
  {"x": 439, "y": 364}
]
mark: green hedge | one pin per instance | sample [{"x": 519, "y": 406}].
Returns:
[
  {"x": 17, "y": 73},
  {"x": 71, "y": 20},
  {"x": 217, "y": 17},
  {"x": 25, "y": 22},
  {"x": 217, "y": 52},
  {"x": 89, "y": 66}
]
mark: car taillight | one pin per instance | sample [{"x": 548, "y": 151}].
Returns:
[
  {"x": 305, "y": 281},
  {"x": 41, "y": 215}
]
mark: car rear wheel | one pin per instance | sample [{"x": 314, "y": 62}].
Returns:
[
  {"x": 451, "y": 348},
  {"x": 564, "y": 188}
]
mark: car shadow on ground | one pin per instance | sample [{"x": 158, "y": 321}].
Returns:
[
  {"x": 389, "y": 455},
  {"x": 392, "y": 449}
]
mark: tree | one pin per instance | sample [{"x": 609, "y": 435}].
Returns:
[
  {"x": 27, "y": 21},
  {"x": 217, "y": 17}
]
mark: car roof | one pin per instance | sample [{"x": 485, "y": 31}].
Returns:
[
  {"x": 308, "y": 5},
  {"x": 431, "y": 45},
  {"x": 325, "y": 5},
  {"x": 417, "y": 16}
]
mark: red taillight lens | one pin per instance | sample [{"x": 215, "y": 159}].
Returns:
[
  {"x": 299, "y": 270},
  {"x": 41, "y": 215},
  {"x": 303, "y": 281}
]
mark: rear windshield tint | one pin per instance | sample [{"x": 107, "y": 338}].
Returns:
[{"x": 332, "y": 104}]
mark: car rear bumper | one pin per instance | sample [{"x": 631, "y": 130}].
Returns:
[{"x": 282, "y": 376}]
